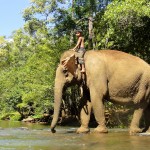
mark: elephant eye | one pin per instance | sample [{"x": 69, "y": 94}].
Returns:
[{"x": 65, "y": 72}]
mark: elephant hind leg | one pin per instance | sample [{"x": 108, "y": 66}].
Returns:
[
  {"x": 147, "y": 119},
  {"x": 142, "y": 91},
  {"x": 138, "y": 112}
]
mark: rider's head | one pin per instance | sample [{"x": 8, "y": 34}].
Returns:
[{"x": 78, "y": 32}]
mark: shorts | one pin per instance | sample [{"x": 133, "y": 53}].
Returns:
[{"x": 80, "y": 55}]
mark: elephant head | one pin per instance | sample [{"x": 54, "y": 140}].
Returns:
[{"x": 67, "y": 73}]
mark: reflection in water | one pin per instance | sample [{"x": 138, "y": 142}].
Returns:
[{"x": 17, "y": 135}]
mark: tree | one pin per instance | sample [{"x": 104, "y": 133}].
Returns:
[
  {"x": 27, "y": 84},
  {"x": 3, "y": 53},
  {"x": 85, "y": 12},
  {"x": 125, "y": 26}
]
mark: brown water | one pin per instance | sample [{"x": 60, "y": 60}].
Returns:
[{"x": 22, "y": 136}]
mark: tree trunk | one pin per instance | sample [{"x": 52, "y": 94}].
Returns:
[
  {"x": 72, "y": 15},
  {"x": 90, "y": 34}
]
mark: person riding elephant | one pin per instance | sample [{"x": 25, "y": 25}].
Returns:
[
  {"x": 80, "y": 49},
  {"x": 117, "y": 77}
]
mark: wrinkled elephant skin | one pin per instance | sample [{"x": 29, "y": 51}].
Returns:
[{"x": 114, "y": 75}]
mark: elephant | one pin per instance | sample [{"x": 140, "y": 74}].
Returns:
[{"x": 110, "y": 75}]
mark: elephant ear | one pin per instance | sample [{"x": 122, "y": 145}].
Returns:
[{"x": 70, "y": 64}]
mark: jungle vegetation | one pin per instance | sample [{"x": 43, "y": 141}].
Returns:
[{"x": 28, "y": 61}]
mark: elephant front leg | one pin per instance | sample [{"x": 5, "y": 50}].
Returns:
[
  {"x": 100, "y": 118},
  {"x": 85, "y": 118},
  {"x": 99, "y": 111}
]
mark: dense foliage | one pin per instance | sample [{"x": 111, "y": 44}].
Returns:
[
  {"x": 125, "y": 25},
  {"x": 28, "y": 61}
]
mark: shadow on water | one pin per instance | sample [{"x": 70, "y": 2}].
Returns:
[{"x": 23, "y": 136}]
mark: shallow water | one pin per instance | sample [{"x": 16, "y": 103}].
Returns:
[{"x": 25, "y": 136}]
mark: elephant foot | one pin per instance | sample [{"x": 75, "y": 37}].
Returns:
[
  {"x": 101, "y": 130},
  {"x": 148, "y": 130},
  {"x": 83, "y": 130},
  {"x": 135, "y": 130}
]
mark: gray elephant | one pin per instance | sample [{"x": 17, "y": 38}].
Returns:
[{"x": 110, "y": 74}]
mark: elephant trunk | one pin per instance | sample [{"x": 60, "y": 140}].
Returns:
[{"x": 59, "y": 84}]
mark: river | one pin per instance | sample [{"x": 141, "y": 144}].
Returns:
[{"x": 26, "y": 136}]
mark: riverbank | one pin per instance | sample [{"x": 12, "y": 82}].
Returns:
[{"x": 115, "y": 118}]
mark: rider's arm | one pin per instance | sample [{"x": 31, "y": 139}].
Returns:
[{"x": 78, "y": 43}]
